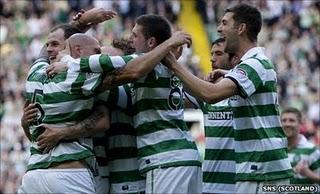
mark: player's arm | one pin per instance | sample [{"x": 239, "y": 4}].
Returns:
[
  {"x": 208, "y": 92},
  {"x": 84, "y": 20},
  {"x": 303, "y": 169},
  {"x": 123, "y": 69},
  {"x": 97, "y": 122},
  {"x": 29, "y": 114},
  {"x": 143, "y": 64}
]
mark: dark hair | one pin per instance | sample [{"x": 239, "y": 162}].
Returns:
[
  {"x": 68, "y": 29},
  {"x": 294, "y": 111},
  {"x": 124, "y": 45},
  {"x": 249, "y": 15},
  {"x": 219, "y": 40},
  {"x": 155, "y": 26}
]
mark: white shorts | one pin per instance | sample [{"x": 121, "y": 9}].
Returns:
[
  {"x": 128, "y": 187},
  {"x": 250, "y": 187},
  {"x": 182, "y": 179},
  {"x": 102, "y": 184},
  {"x": 76, "y": 180}
]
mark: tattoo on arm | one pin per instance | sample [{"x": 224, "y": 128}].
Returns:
[
  {"x": 89, "y": 123},
  {"x": 114, "y": 79},
  {"x": 88, "y": 126}
]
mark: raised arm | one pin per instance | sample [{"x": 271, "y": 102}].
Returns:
[
  {"x": 208, "y": 92},
  {"x": 84, "y": 20},
  {"x": 97, "y": 122}
]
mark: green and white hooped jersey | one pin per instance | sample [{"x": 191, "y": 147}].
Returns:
[
  {"x": 162, "y": 135},
  {"x": 100, "y": 151},
  {"x": 62, "y": 100},
  {"x": 122, "y": 143},
  {"x": 304, "y": 151},
  {"x": 260, "y": 143},
  {"x": 219, "y": 165},
  {"x": 163, "y": 139}
]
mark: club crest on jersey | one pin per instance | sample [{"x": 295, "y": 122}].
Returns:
[
  {"x": 132, "y": 91},
  {"x": 242, "y": 73},
  {"x": 175, "y": 81}
]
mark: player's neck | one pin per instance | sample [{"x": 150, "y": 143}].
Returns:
[
  {"x": 244, "y": 47},
  {"x": 293, "y": 141}
]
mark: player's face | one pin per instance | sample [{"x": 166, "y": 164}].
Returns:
[
  {"x": 228, "y": 31},
  {"x": 138, "y": 40},
  {"x": 290, "y": 124},
  {"x": 55, "y": 43},
  {"x": 219, "y": 59}
]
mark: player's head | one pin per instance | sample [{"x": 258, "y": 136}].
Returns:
[
  {"x": 149, "y": 31},
  {"x": 291, "y": 119},
  {"x": 82, "y": 45},
  {"x": 56, "y": 39},
  {"x": 219, "y": 58},
  {"x": 240, "y": 22},
  {"x": 118, "y": 47}
]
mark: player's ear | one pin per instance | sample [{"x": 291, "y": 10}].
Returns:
[
  {"x": 77, "y": 51},
  {"x": 152, "y": 42},
  {"x": 242, "y": 28}
]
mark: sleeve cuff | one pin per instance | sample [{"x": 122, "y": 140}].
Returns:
[{"x": 242, "y": 93}]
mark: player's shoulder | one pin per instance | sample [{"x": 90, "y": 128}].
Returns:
[{"x": 39, "y": 64}]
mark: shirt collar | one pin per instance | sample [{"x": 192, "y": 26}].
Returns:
[{"x": 251, "y": 52}]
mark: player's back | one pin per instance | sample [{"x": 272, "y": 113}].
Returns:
[{"x": 62, "y": 100}]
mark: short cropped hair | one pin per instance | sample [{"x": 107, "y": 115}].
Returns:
[
  {"x": 155, "y": 26},
  {"x": 249, "y": 15},
  {"x": 294, "y": 111},
  {"x": 219, "y": 40},
  {"x": 68, "y": 29}
]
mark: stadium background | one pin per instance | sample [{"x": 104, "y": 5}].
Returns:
[{"x": 290, "y": 34}]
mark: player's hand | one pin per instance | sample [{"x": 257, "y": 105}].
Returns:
[
  {"x": 101, "y": 15},
  {"x": 215, "y": 75},
  {"x": 169, "y": 60},
  {"x": 180, "y": 38},
  {"x": 83, "y": 20},
  {"x": 49, "y": 138},
  {"x": 302, "y": 168},
  {"x": 78, "y": 15},
  {"x": 177, "y": 52},
  {"x": 30, "y": 113},
  {"x": 55, "y": 68}
]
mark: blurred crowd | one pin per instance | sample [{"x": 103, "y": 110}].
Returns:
[{"x": 290, "y": 35}]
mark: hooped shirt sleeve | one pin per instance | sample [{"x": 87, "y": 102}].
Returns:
[
  {"x": 98, "y": 63},
  {"x": 247, "y": 76}
]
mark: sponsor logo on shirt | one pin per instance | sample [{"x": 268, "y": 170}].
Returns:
[
  {"x": 220, "y": 115},
  {"x": 175, "y": 99}
]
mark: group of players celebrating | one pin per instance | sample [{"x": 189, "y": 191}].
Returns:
[{"x": 110, "y": 119}]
